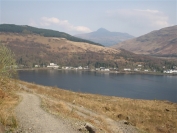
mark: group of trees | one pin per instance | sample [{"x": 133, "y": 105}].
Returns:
[{"x": 7, "y": 63}]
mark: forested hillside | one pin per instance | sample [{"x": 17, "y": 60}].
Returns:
[{"x": 43, "y": 32}]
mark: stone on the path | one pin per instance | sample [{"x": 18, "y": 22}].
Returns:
[{"x": 90, "y": 128}]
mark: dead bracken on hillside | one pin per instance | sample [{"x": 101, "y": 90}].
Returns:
[{"x": 160, "y": 43}]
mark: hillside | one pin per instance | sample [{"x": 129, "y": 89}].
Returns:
[
  {"x": 162, "y": 42},
  {"x": 43, "y": 32},
  {"x": 105, "y": 37},
  {"x": 33, "y": 49}
]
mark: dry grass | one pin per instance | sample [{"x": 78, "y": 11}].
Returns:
[
  {"x": 8, "y": 100},
  {"x": 56, "y": 43},
  {"x": 148, "y": 115},
  {"x": 62, "y": 109}
]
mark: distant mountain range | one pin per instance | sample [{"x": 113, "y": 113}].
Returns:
[
  {"x": 105, "y": 37},
  {"x": 44, "y": 32},
  {"x": 162, "y": 42}
]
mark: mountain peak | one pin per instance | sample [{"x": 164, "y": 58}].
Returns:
[
  {"x": 102, "y": 30},
  {"x": 106, "y": 37}
]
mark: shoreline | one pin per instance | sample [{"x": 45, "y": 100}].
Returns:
[
  {"x": 115, "y": 72},
  {"x": 82, "y": 87}
]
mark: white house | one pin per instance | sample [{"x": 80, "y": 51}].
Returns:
[
  {"x": 136, "y": 69},
  {"x": 36, "y": 65},
  {"x": 97, "y": 69},
  {"x": 80, "y": 67},
  {"x": 86, "y": 67},
  {"x": 127, "y": 69},
  {"x": 52, "y": 65}
]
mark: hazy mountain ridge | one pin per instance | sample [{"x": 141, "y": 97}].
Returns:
[
  {"x": 43, "y": 32},
  {"x": 161, "y": 42},
  {"x": 105, "y": 37}
]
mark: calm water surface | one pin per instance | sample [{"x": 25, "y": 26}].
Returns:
[{"x": 123, "y": 85}]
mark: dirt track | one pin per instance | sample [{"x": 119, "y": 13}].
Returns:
[{"x": 32, "y": 118}]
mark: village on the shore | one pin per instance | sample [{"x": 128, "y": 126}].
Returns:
[{"x": 138, "y": 68}]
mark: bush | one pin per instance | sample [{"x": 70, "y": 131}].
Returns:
[{"x": 7, "y": 63}]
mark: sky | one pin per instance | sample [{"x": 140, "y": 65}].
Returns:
[{"x": 135, "y": 17}]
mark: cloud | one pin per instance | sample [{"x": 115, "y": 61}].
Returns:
[
  {"x": 32, "y": 23},
  {"x": 45, "y": 21},
  {"x": 154, "y": 17},
  {"x": 148, "y": 10},
  {"x": 139, "y": 17}
]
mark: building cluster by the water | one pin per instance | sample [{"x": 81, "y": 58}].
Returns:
[
  {"x": 138, "y": 68},
  {"x": 104, "y": 69},
  {"x": 174, "y": 70},
  {"x": 75, "y": 68},
  {"x": 170, "y": 71}
]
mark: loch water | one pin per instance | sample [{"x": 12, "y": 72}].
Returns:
[{"x": 136, "y": 86}]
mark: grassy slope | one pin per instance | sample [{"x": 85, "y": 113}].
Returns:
[{"x": 161, "y": 42}]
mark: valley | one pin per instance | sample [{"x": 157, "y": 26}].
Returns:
[
  {"x": 31, "y": 49},
  {"x": 84, "y": 66}
]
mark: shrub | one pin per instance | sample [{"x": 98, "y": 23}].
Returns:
[{"x": 7, "y": 63}]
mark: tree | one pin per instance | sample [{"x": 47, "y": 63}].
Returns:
[{"x": 7, "y": 63}]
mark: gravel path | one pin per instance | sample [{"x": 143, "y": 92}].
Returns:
[{"x": 32, "y": 119}]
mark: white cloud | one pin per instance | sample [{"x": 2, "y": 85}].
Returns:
[
  {"x": 153, "y": 19},
  {"x": 45, "y": 21},
  {"x": 148, "y": 10},
  {"x": 32, "y": 23}
]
